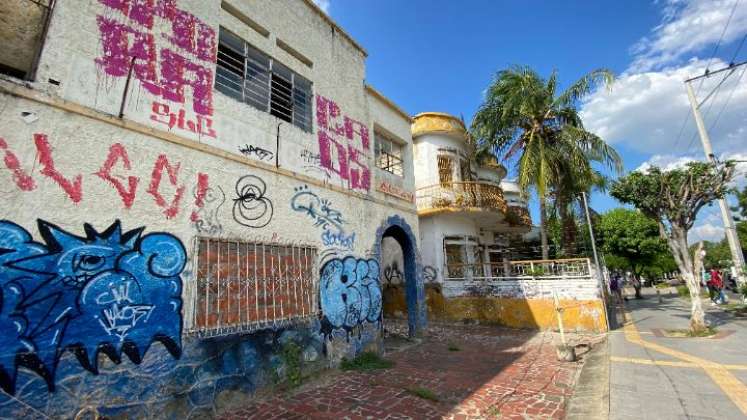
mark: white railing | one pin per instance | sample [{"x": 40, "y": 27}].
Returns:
[
  {"x": 570, "y": 268},
  {"x": 244, "y": 286}
]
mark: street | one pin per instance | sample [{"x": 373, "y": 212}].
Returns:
[{"x": 655, "y": 377}]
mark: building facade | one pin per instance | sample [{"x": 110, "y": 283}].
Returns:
[
  {"x": 473, "y": 224},
  {"x": 196, "y": 198}
]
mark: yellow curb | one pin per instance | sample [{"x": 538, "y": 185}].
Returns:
[{"x": 732, "y": 387}]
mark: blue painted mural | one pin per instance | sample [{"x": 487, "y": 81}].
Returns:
[
  {"x": 350, "y": 294},
  {"x": 112, "y": 292}
]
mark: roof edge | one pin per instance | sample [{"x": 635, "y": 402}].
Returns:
[
  {"x": 337, "y": 27},
  {"x": 388, "y": 102}
]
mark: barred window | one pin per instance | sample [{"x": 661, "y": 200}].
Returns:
[
  {"x": 388, "y": 154},
  {"x": 445, "y": 170},
  {"x": 244, "y": 286},
  {"x": 249, "y": 75}
]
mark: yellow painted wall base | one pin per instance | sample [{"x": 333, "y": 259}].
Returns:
[{"x": 578, "y": 315}]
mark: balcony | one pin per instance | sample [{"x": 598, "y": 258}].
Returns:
[
  {"x": 518, "y": 216},
  {"x": 460, "y": 196}
]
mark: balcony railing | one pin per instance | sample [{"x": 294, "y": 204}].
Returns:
[
  {"x": 573, "y": 268},
  {"x": 519, "y": 216},
  {"x": 461, "y": 195}
]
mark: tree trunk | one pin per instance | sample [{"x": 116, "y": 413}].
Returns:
[
  {"x": 568, "y": 228},
  {"x": 677, "y": 241},
  {"x": 543, "y": 228}
]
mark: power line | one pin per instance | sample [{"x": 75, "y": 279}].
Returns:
[
  {"x": 708, "y": 64},
  {"x": 728, "y": 98},
  {"x": 731, "y": 69}
]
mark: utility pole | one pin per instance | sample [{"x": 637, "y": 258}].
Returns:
[
  {"x": 731, "y": 231},
  {"x": 600, "y": 274}
]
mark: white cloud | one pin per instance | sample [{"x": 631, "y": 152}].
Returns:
[
  {"x": 688, "y": 27},
  {"x": 323, "y": 4},
  {"x": 706, "y": 232},
  {"x": 648, "y": 104},
  {"x": 646, "y": 111}
]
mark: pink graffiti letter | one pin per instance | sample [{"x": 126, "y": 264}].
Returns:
[
  {"x": 117, "y": 152},
  {"x": 21, "y": 178},
  {"x": 170, "y": 210},
  {"x": 121, "y": 44},
  {"x": 177, "y": 72},
  {"x": 74, "y": 189},
  {"x": 202, "y": 187}
]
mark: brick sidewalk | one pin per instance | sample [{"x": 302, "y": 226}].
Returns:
[{"x": 497, "y": 373}]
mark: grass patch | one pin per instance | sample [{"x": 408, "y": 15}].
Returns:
[
  {"x": 683, "y": 291},
  {"x": 707, "y": 332},
  {"x": 736, "y": 308},
  {"x": 454, "y": 347},
  {"x": 663, "y": 285},
  {"x": 365, "y": 362},
  {"x": 423, "y": 393}
]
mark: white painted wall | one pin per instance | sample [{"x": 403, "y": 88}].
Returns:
[
  {"x": 427, "y": 149},
  {"x": 80, "y": 146}
]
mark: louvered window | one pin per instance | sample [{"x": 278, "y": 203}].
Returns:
[{"x": 248, "y": 75}]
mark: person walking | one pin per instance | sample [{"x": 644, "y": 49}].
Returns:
[
  {"x": 616, "y": 288},
  {"x": 717, "y": 284}
]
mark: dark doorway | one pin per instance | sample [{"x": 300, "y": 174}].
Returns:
[{"x": 401, "y": 277}]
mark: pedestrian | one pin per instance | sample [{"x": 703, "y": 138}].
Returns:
[
  {"x": 616, "y": 288},
  {"x": 718, "y": 285},
  {"x": 637, "y": 286}
]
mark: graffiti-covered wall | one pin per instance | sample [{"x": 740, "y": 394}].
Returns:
[{"x": 171, "y": 261}]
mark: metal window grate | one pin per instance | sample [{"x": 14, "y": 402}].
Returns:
[
  {"x": 248, "y": 75},
  {"x": 388, "y": 154},
  {"x": 445, "y": 170},
  {"x": 245, "y": 286}
]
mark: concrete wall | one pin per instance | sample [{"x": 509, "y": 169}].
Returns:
[{"x": 98, "y": 310}]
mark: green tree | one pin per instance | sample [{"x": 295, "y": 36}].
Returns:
[
  {"x": 524, "y": 115},
  {"x": 674, "y": 198},
  {"x": 632, "y": 237}
]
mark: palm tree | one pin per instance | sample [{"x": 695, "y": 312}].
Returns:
[
  {"x": 523, "y": 114},
  {"x": 568, "y": 205}
]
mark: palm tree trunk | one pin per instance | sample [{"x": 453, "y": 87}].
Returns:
[{"x": 543, "y": 228}]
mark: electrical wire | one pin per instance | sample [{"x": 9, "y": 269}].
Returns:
[{"x": 708, "y": 64}]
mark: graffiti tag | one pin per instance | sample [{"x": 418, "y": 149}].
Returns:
[
  {"x": 350, "y": 294},
  {"x": 110, "y": 292},
  {"x": 261, "y": 154}
]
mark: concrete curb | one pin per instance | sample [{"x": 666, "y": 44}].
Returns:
[{"x": 591, "y": 398}]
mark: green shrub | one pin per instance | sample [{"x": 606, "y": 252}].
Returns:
[
  {"x": 291, "y": 356},
  {"x": 366, "y": 361},
  {"x": 743, "y": 290},
  {"x": 423, "y": 393}
]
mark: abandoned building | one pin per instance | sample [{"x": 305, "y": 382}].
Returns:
[{"x": 195, "y": 190}]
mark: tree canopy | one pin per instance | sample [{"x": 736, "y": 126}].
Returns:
[
  {"x": 674, "y": 198},
  {"x": 633, "y": 241}
]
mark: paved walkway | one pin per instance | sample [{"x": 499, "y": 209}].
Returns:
[
  {"x": 654, "y": 377},
  {"x": 496, "y": 373}
]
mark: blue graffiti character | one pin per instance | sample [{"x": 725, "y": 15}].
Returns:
[
  {"x": 350, "y": 293},
  {"x": 109, "y": 292}
]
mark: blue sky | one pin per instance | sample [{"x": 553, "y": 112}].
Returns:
[{"x": 440, "y": 55}]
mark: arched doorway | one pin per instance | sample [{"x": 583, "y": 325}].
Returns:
[{"x": 396, "y": 232}]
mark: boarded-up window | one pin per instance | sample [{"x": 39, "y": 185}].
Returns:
[
  {"x": 445, "y": 170},
  {"x": 243, "y": 286},
  {"x": 22, "y": 24}
]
